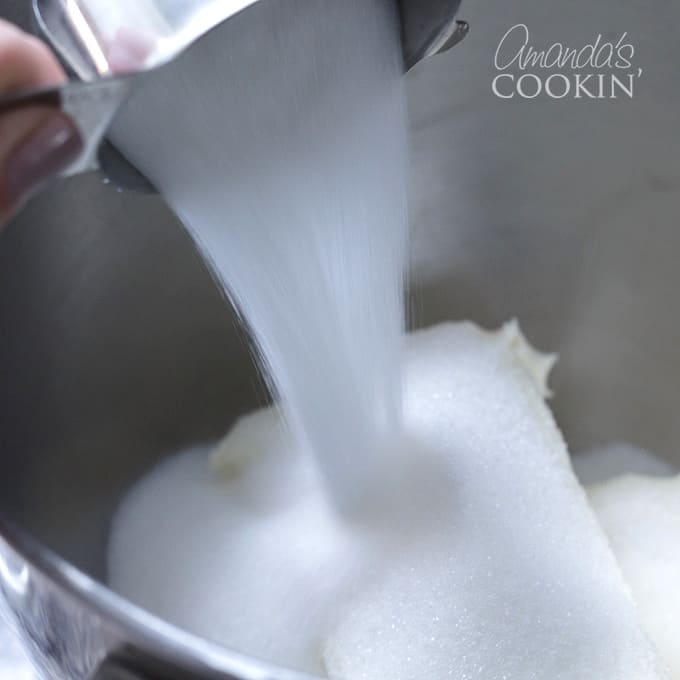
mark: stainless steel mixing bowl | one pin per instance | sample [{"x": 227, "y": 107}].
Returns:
[{"x": 116, "y": 348}]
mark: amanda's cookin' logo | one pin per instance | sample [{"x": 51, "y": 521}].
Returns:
[{"x": 602, "y": 69}]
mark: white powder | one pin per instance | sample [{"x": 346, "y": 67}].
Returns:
[
  {"x": 641, "y": 517},
  {"x": 488, "y": 563}
]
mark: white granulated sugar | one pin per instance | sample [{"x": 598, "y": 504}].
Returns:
[
  {"x": 603, "y": 463},
  {"x": 641, "y": 517},
  {"x": 487, "y": 563},
  {"x": 255, "y": 561},
  {"x": 281, "y": 142}
]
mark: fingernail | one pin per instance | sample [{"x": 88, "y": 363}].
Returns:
[{"x": 53, "y": 146}]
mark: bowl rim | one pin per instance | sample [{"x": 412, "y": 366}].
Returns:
[{"x": 147, "y": 632}]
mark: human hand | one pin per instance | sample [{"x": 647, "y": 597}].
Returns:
[{"x": 36, "y": 142}]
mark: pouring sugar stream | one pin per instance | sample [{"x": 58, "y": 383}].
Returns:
[
  {"x": 292, "y": 182},
  {"x": 485, "y": 560}
]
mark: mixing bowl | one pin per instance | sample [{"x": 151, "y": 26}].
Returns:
[{"x": 116, "y": 348}]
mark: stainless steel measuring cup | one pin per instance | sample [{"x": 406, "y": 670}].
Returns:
[{"x": 112, "y": 47}]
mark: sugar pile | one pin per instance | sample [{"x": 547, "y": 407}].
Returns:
[
  {"x": 488, "y": 565},
  {"x": 641, "y": 518},
  {"x": 636, "y": 498},
  {"x": 281, "y": 142}
]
